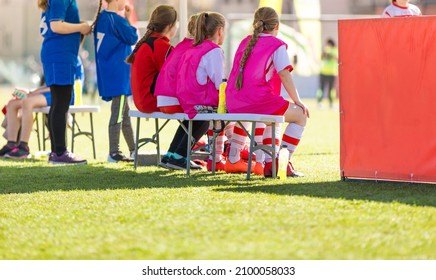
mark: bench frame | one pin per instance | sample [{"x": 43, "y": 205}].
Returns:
[
  {"x": 226, "y": 118},
  {"x": 73, "y": 110}
]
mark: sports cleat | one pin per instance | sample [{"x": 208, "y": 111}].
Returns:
[
  {"x": 258, "y": 169},
  {"x": 65, "y": 158},
  {"x": 240, "y": 166},
  {"x": 219, "y": 166},
  {"x": 19, "y": 153},
  {"x": 6, "y": 149},
  {"x": 118, "y": 156},
  {"x": 290, "y": 171},
  {"x": 180, "y": 164}
]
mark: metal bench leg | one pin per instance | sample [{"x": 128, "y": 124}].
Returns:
[
  {"x": 188, "y": 159},
  {"x": 92, "y": 135},
  {"x": 73, "y": 129},
  {"x": 273, "y": 152},
  {"x": 250, "y": 154},
  {"x": 156, "y": 121},
  {"x": 138, "y": 120},
  {"x": 37, "y": 130}
]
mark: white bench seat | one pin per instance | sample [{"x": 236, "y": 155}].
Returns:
[
  {"x": 180, "y": 117},
  {"x": 73, "y": 110}
]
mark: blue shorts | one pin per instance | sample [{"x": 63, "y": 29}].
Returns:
[{"x": 60, "y": 74}]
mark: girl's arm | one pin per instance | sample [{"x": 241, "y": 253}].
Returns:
[
  {"x": 62, "y": 27},
  {"x": 289, "y": 85}
]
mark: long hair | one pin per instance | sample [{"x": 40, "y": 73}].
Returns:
[
  {"x": 265, "y": 19},
  {"x": 43, "y": 4},
  {"x": 206, "y": 26},
  {"x": 191, "y": 25},
  {"x": 162, "y": 17},
  {"x": 100, "y": 5}
]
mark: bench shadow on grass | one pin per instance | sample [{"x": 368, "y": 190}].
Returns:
[
  {"x": 16, "y": 178},
  {"x": 386, "y": 192}
]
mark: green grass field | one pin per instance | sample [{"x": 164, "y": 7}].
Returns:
[{"x": 109, "y": 211}]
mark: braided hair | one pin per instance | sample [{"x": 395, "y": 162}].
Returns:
[
  {"x": 265, "y": 20},
  {"x": 206, "y": 26},
  {"x": 94, "y": 23},
  {"x": 162, "y": 17}
]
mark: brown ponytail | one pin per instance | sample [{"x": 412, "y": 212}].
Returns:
[
  {"x": 43, "y": 4},
  {"x": 206, "y": 26},
  {"x": 162, "y": 17},
  {"x": 265, "y": 19},
  {"x": 98, "y": 13},
  {"x": 191, "y": 25}
]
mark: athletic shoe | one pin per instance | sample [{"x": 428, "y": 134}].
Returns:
[
  {"x": 290, "y": 171},
  {"x": 164, "y": 161},
  {"x": 258, "y": 168},
  {"x": 118, "y": 156},
  {"x": 65, "y": 158},
  {"x": 219, "y": 166},
  {"x": 240, "y": 166},
  {"x": 19, "y": 153},
  {"x": 180, "y": 164},
  {"x": 6, "y": 149}
]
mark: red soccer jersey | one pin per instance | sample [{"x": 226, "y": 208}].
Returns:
[{"x": 148, "y": 61}]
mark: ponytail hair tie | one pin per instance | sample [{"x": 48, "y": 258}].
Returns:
[{"x": 240, "y": 70}]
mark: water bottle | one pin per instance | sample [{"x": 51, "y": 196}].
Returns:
[
  {"x": 77, "y": 92},
  {"x": 283, "y": 162},
  {"x": 222, "y": 97}
]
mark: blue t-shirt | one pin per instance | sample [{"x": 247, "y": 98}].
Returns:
[
  {"x": 113, "y": 40},
  {"x": 59, "y": 51}
]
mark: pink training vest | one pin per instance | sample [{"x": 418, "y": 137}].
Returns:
[
  {"x": 166, "y": 80},
  {"x": 256, "y": 95},
  {"x": 189, "y": 91}
]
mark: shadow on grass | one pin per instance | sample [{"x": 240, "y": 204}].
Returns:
[
  {"x": 18, "y": 178},
  {"x": 404, "y": 193},
  {"x": 29, "y": 177}
]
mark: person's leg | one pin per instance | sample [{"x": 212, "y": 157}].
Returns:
[
  {"x": 32, "y": 101},
  {"x": 260, "y": 155},
  {"x": 293, "y": 133},
  {"x": 114, "y": 128},
  {"x": 13, "y": 119},
  {"x": 323, "y": 83},
  {"x": 57, "y": 118},
  {"x": 330, "y": 83},
  {"x": 13, "y": 126},
  {"x": 127, "y": 128},
  {"x": 178, "y": 159},
  {"x": 234, "y": 164}
]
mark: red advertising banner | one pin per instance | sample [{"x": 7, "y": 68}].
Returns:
[{"x": 387, "y": 85}]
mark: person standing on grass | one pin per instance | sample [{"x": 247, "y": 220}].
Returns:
[
  {"x": 113, "y": 40},
  {"x": 401, "y": 8},
  {"x": 328, "y": 72},
  {"x": 61, "y": 28},
  {"x": 260, "y": 66},
  {"x": 199, "y": 75}
]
